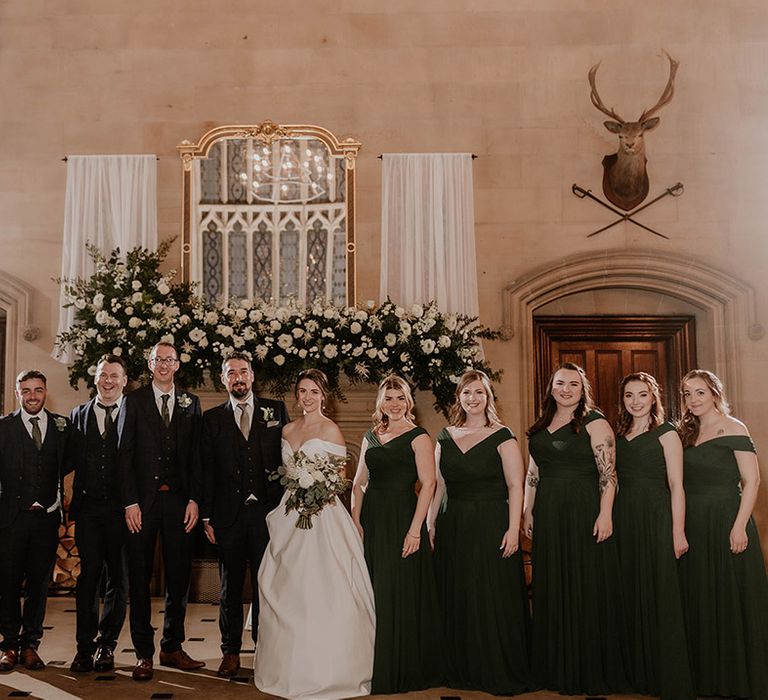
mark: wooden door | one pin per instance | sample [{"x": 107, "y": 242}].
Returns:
[{"x": 610, "y": 347}]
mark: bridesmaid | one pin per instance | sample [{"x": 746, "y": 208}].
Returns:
[
  {"x": 408, "y": 651},
  {"x": 477, "y": 557},
  {"x": 578, "y": 621},
  {"x": 650, "y": 534},
  {"x": 725, "y": 590}
]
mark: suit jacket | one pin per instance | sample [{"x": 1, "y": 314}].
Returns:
[
  {"x": 80, "y": 428},
  {"x": 140, "y": 448},
  {"x": 12, "y": 434},
  {"x": 223, "y": 498}
]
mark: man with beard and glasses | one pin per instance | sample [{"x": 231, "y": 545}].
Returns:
[
  {"x": 34, "y": 456},
  {"x": 241, "y": 446}
]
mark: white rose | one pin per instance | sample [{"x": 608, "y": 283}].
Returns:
[
  {"x": 355, "y": 327},
  {"x": 305, "y": 480},
  {"x": 203, "y": 342},
  {"x": 80, "y": 304},
  {"x": 137, "y": 297},
  {"x": 224, "y": 331},
  {"x": 275, "y": 325},
  {"x": 185, "y": 357},
  {"x": 196, "y": 335},
  {"x": 163, "y": 288},
  {"x": 390, "y": 339},
  {"x": 241, "y": 314},
  {"x": 405, "y": 329},
  {"x": 302, "y": 353},
  {"x": 399, "y": 311},
  {"x": 135, "y": 285},
  {"x": 297, "y": 332},
  {"x": 284, "y": 341},
  {"x": 129, "y": 311},
  {"x": 451, "y": 322},
  {"x": 102, "y": 318},
  {"x": 361, "y": 316},
  {"x": 157, "y": 308},
  {"x": 279, "y": 360},
  {"x": 372, "y": 352},
  {"x": 98, "y": 301},
  {"x": 428, "y": 346},
  {"x": 167, "y": 338},
  {"x": 444, "y": 341},
  {"x": 211, "y": 317},
  {"x": 135, "y": 322},
  {"x": 117, "y": 351},
  {"x": 417, "y": 310},
  {"x": 330, "y": 351}
]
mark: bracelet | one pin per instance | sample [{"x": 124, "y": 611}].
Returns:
[{"x": 415, "y": 537}]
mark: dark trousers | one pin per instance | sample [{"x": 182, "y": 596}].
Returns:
[
  {"x": 166, "y": 516},
  {"x": 240, "y": 545},
  {"x": 27, "y": 556},
  {"x": 100, "y": 535}
]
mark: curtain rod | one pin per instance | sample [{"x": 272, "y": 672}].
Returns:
[
  {"x": 474, "y": 157},
  {"x": 66, "y": 158}
]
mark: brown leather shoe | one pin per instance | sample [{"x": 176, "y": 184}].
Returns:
[
  {"x": 31, "y": 660},
  {"x": 143, "y": 670},
  {"x": 180, "y": 659},
  {"x": 230, "y": 665},
  {"x": 8, "y": 659}
]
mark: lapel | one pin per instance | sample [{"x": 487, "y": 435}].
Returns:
[
  {"x": 83, "y": 414},
  {"x": 16, "y": 445},
  {"x": 152, "y": 412}
]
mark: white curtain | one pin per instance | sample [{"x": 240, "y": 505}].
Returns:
[
  {"x": 111, "y": 201},
  {"x": 428, "y": 230}
]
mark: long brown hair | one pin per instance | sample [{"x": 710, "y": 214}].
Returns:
[
  {"x": 457, "y": 416},
  {"x": 549, "y": 408},
  {"x": 656, "y": 416},
  {"x": 689, "y": 425},
  {"x": 392, "y": 381}
]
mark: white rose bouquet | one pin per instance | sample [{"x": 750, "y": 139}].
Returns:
[{"x": 313, "y": 481}]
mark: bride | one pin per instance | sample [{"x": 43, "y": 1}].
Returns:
[{"x": 316, "y": 615}]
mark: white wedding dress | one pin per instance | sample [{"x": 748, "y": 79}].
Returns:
[{"x": 316, "y": 618}]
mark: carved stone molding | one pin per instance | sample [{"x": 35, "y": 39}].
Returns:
[{"x": 728, "y": 303}]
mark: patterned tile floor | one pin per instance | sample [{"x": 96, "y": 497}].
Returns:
[{"x": 56, "y": 682}]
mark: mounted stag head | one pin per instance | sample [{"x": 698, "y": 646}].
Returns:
[{"x": 625, "y": 178}]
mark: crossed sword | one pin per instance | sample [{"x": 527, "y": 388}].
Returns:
[{"x": 581, "y": 193}]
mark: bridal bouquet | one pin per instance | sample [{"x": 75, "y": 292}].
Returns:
[{"x": 312, "y": 481}]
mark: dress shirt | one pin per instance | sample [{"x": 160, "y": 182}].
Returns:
[
  {"x": 159, "y": 401},
  {"x": 101, "y": 414}
]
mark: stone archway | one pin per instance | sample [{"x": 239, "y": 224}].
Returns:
[{"x": 728, "y": 303}]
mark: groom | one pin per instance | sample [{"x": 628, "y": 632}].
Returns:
[{"x": 241, "y": 447}]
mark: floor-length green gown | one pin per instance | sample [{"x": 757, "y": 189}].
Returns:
[
  {"x": 725, "y": 594},
  {"x": 409, "y": 651},
  {"x": 658, "y": 651},
  {"x": 579, "y": 632},
  {"x": 483, "y": 596}
]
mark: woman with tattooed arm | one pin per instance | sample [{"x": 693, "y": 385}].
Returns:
[{"x": 578, "y": 619}]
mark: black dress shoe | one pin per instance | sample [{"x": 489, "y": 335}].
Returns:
[
  {"x": 104, "y": 659},
  {"x": 82, "y": 663}
]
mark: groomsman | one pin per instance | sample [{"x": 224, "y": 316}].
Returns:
[
  {"x": 33, "y": 459},
  {"x": 98, "y": 512},
  {"x": 241, "y": 446},
  {"x": 160, "y": 480}
]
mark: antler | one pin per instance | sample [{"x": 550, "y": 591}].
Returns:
[
  {"x": 669, "y": 90},
  {"x": 595, "y": 97}
]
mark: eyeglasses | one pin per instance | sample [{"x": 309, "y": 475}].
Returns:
[{"x": 167, "y": 361}]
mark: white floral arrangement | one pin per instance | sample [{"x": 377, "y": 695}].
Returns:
[
  {"x": 313, "y": 481},
  {"x": 184, "y": 401},
  {"x": 128, "y": 305}
]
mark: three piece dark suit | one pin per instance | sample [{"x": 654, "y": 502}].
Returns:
[
  {"x": 30, "y": 484},
  {"x": 235, "y": 469},
  {"x": 100, "y": 532},
  {"x": 160, "y": 471}
]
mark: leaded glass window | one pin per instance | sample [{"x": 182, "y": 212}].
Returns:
[{"x": 273, "y": 221}]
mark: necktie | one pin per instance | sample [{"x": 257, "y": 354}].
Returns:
[
  {"x": 107, "y": 416},
  {"x": 37, "y": 436},
  {"x": 244, "y": 427},
  {"x": 165, "y": 413}
]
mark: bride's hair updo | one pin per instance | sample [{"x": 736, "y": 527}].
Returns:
[
  {"x": 319, "y": 378},
  {"x": 381, "y": 419}
]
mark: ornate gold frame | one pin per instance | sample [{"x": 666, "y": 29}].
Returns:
[{"x": 266, "y": 133}]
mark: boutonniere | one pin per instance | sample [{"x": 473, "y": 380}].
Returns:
[
  {"x": 184, "y": 401},
  {"x": 267, "y": 413},
  {"x": 60, "y": 423}
]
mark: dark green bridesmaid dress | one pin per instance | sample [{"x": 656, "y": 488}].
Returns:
[
  {"x": 483, "y": 596},
  {"x": 579, "y": 632},
  {"x": 725, "y": 595},
  {"x": 409, "y": 651},
  {"x": 658, "y": 651}
]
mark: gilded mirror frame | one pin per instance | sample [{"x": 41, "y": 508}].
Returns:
[{"x": 266, "y": 133}]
